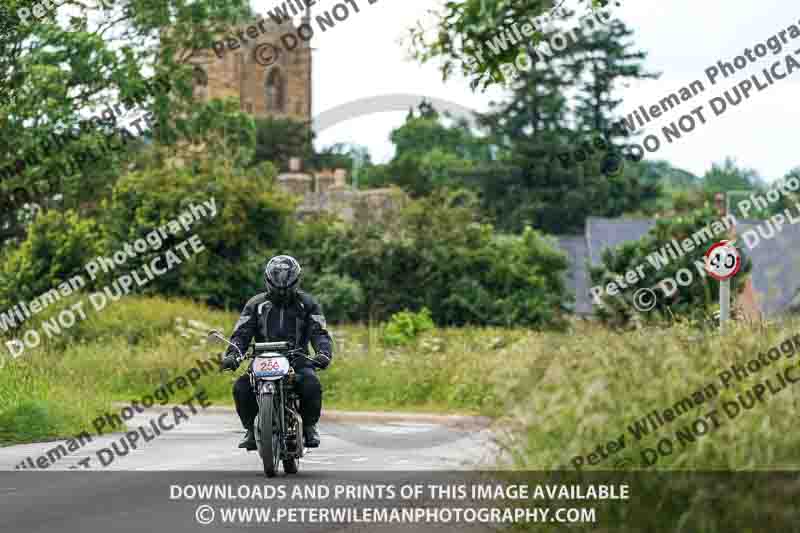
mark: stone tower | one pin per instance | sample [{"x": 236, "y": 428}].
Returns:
[{"x": 280, "y": 89}]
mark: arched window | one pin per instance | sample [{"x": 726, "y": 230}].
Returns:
[
  {"x": 200, "y": 77},
  {"x": 200, "y": 80},
  {"x": 275, "y": 91}
]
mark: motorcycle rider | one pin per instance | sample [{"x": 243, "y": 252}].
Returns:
[{"x": 282, "y": 313}]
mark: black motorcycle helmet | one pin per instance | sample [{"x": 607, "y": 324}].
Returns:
[{"x": 282, "y": 277}]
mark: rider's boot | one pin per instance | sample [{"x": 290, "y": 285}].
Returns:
[
  {"x": 311, "y": 436},
  {"x": 249, "y": 441}
]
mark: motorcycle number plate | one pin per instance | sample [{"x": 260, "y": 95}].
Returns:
[{"x": 270, "y": 367}]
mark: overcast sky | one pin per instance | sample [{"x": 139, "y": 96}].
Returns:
[{"x": 363, "y": 57}]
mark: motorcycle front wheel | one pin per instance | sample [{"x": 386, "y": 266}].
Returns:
[{"x": 269, "y": 439}]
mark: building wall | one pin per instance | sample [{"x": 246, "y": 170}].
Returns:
[
  {"x": 239, "y": 74},
  {"x": 327, "y": 191}
]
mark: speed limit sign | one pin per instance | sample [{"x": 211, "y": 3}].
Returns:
[{"x": 723, "y": 261}]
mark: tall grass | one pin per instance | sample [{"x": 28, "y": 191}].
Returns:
[
  {"x": 134, "y": 345},
  {"x": 597, "y": 383},
  {"x": 119, "y": 354},
  {"x": 556, "y": 396}
]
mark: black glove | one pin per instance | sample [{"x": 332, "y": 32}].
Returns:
[
  {"x": 229, "y": 362},
  {"x": 322, "y": 360}
]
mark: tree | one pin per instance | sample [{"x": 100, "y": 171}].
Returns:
[
  {"x": 342, "y": 155},
  {"x": 605, "y": 57},
  {"x": 433, "y": 253},
  {"x": 533, "y": 134},
  {"x": 682, "y": 190},
  {"x": 56, "y": 70},
  {"x": 461, "y": 26},
  {"x": 428, "y": 153},
  {"x": 664, "y": 172},
  {"x": 728, "y": 176},
  {"x": 253, "y": 219},
  {"x": 280, "y": 139}
]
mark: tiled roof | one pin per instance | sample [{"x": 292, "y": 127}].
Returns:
[{"x": 609, "y": 232}]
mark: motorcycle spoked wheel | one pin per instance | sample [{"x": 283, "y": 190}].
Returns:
[
  {"x": 268, "y": 440},
  {"x": 291, "y": 465}
]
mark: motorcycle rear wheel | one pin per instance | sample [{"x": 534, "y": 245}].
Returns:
[{"x": 291, "y": 465}]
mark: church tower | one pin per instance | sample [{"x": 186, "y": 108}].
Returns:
[{"x": 268, "y": 78}]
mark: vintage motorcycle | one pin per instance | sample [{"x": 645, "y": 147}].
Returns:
[{"x": 278, "y": 426}]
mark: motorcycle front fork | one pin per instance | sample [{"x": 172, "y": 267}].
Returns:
[{"x": 288, "y": 407}]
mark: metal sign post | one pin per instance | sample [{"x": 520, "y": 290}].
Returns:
[
  {"x": 723, "y": 261},
  {"x": 724, "y": 302}
]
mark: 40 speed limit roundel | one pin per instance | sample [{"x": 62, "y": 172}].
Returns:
[{"x": 723, "y": 261}]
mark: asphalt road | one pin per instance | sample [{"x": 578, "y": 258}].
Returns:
[{"x": 136, "y": 491}]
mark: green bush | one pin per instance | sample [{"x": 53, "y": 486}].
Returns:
[
  {"x": 434, "y": 254},
  {"x": 251, "y": 224},
  {"x": 341, "y": 297},
  {"x": 35, "y": 419},
  {"x": 406, "y": 326},
  {"x": 57, "y": 247}
]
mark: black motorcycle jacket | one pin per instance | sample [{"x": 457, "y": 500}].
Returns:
[{"x": 299, "y": 320}]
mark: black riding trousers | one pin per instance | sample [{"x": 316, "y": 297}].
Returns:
[{"x": 306, "y": 384}]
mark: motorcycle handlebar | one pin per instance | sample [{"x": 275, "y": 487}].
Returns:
[
  {"x": 260, "y": 347},
  {"x": 296, "y": 353}
]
